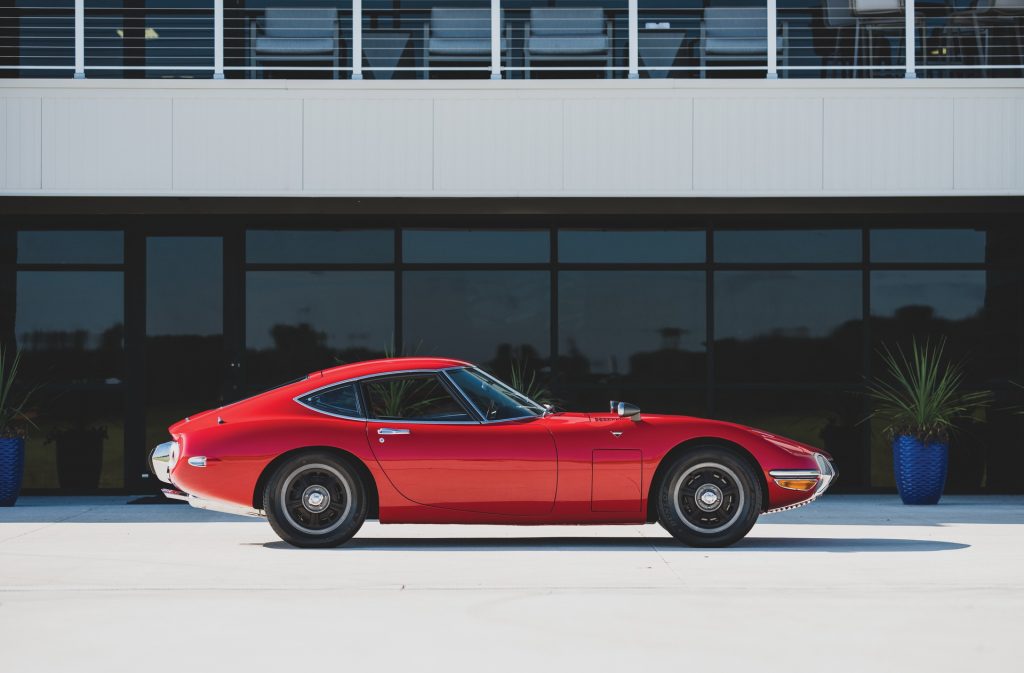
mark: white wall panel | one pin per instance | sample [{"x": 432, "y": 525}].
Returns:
[
  {"x": 379, "y": 146},
  {"x": 106, "y": 144},
  {"x": 506, "y": 145},
  {"x": 889, "y": 145},
  {"x": 989, "y": 144},
  {"x": 238, "y": 144},
  {"x": 628, "y": 145},
  {"x": 20, "y": 140},
  {"x": 757, "y": 145}
]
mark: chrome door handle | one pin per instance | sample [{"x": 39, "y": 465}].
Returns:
[{"x": 393, "y": 431}]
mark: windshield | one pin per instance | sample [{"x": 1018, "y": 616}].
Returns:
[{"x": 495, "y": 400}]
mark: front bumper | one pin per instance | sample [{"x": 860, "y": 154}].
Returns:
[{"x": 823, "y": 476}]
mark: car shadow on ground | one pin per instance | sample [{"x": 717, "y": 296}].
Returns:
[{"x": 759, "y": 544}]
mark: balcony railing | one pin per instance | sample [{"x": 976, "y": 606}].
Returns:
[{"x": 511, "y": 39}]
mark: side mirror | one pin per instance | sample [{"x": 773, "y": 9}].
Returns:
[{"x": 624, "y": 409}]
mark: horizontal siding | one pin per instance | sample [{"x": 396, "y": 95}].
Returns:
[{"x": 671, "y": 138}]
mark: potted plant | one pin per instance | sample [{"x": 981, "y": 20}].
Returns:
[
  {"x": 12, "y": 429},
  {"x": 920, "y": 400}
]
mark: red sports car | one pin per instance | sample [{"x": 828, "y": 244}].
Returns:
[{"x": 430, "y": 440}]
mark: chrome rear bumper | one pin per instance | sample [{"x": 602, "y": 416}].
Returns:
[{"x": 212, "y": 505}]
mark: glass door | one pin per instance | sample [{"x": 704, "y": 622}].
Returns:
[{"x": 185, "y": 361}]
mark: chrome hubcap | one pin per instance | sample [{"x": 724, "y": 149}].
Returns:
[
  {"x": 316, "y": 498},
  {"x": 709, "y": 497}
]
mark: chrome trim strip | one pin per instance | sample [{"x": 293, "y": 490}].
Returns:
[
  {"x": 212, "y": 505},
  {"x": 794, "y": 474}
]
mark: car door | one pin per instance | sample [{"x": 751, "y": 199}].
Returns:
[{"x": 437, "y": 452}]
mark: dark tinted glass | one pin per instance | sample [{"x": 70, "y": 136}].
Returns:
[
  {"x": 468, "y": 246},
  {"x": 70, "y": 247},
  {"x": 826, "y": 419},
  {"x": 486, "y": 317},
  {"x": 631, "y": 246},
  {"x": 646, "y": 324},
  {"x": 341, "y": 401},
  {"x": 420, "y": 398},
  {"x": 70, "y": 325},
  {"x": 495, "y": 400},
  {"x": 651, "y": 399},
  {"x": 353, "y": 246},
  {"x": 776, "y": 326},
  {"x": 928, "y": 245},
  {"x": 302, "y": 321},
  {"x": 185, "y": 362},
  {"x": 809, "y": 246},
  {"x": 978, "y": 313}
]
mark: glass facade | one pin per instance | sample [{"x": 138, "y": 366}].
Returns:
[{"x": 773, "y": 321}]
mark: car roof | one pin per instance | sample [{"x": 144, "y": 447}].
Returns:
[{"x": 371, "y": 367}]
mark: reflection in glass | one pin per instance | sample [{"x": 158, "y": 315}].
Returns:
[
  {"x": 979, "y": 313},
  {"x": 487, "y": 317},
  {"x": 185, "y": 363},
  {"x": 651, "y": 399},
  {"x": 475, "y": 246},
  {"x": 639, "y": 246},
  {"x": 420, "y": 398},
  {"x": 825, "y": 419},
  {"x": 778, "y": 326},
  {"x": 352, "y": 246},
  {"x": 804, "y": 246},
  {"x": 70, "y": 247},
  {"x": 649, "y": 325},
  {"x": 928, "y": 245},
  {"x": 297, "y": 322},
  {"x": 70, "y": 325}
]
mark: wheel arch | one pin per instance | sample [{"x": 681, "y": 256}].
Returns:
[
  {"x": 691, "y": 445},
  {"x": 373, "y": 496}
]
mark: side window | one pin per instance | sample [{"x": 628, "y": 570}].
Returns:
[
  {"x": 416, "y": 398},
  {"x": 341, "y": 400}
]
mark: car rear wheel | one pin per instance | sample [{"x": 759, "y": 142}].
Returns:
[
  {"x": 315, "y": 500},
  {"x": 709, "y": 497}
]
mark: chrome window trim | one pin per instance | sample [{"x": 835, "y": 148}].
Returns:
[
  {"x": 377, "y": 375},
  {"x": 483, "y": 418}
]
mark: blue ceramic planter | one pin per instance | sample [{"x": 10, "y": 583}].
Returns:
[
  {"x": 12, "y": 465},
  {"x": 920, "y": 469}
]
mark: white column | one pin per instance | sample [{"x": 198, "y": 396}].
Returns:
[
  {"x": 496, "y": 39},
  {"x": 79, "y": 39},
  {"x": 634, "y": 41},
  {"x": 910, "y": 41},
  {"x": 773, "y": 57},
  {"x": 357, "y": 39},
  {"x": 218, "y": 39}
]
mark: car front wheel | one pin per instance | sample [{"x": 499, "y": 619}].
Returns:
[
  {"x": 710, "y": 497},
  {"x": 315, "y": 500}
]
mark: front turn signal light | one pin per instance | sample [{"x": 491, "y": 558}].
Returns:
[{"x": 797, "y": 484}]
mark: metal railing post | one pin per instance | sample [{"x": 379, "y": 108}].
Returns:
[
  {"x": 495, "y": 39},
  {"x": 911, "y": 72},
  {"x": 218, "y": 39},
  {"x": 773, "y": 57},
  {"x": 357, "y": 39},
  {"x": 79, "y": 39},
  {"x": 634, "y": 40}
]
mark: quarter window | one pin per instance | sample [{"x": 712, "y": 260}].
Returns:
[
  {"x": 417, "y": 397},
  {"x": 341, "y": 401}
]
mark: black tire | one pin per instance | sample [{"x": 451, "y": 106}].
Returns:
[
  {"x": 315, "y": 499},
  {"x": 731, "y": 495}
]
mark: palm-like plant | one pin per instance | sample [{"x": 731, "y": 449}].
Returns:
[
  {"x": 921, "y": 394},
  {"x": 525, "y": 381},
  {"x": 12, "y": 407}
]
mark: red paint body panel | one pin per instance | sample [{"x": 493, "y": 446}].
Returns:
[{"x": 564, "y": 468}]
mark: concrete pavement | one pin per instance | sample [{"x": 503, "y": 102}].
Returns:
[{"x": 850, "y": 583}]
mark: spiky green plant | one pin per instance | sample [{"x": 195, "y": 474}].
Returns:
[
  {"x": 921, "y": 394},
  {"x": 12, "y": 407},
  {"x": 524, "y": 379}
]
